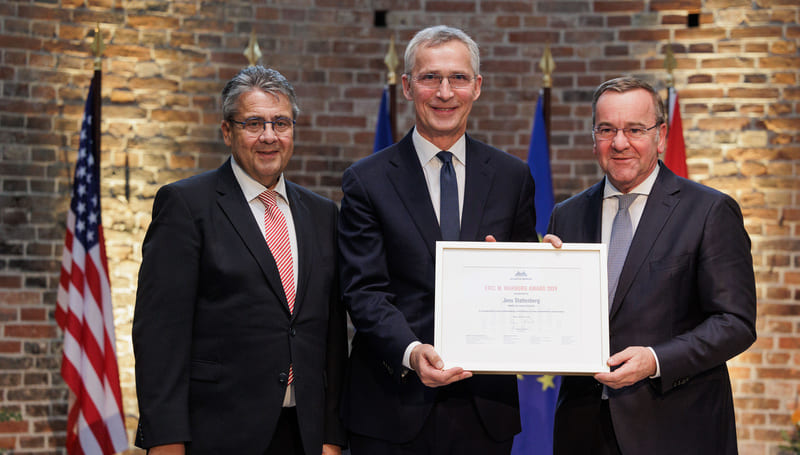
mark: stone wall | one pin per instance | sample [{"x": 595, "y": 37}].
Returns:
[{"x": 166, "y": 62}]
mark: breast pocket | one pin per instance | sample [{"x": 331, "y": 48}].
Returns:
[{"x": 671, "y": 264}]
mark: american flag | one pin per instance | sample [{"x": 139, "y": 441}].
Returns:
[{"x": 95, "y": 423}]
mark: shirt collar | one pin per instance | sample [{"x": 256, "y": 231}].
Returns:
[
  {"x": 252, "y": 188},
  {"x": 426, "y": 151},
  {"x": 643, "y": 188}
]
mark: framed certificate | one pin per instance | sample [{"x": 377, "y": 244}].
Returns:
[{"x": 526, "y": 308}]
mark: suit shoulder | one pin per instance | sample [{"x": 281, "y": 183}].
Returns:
[
  {"x": 499, "y": 157},
  {"x": 579, "y": 198},
  {"x": 196, "y": 184},
  {"x": 310, "y": 196},
  {"x": 374, "y": 161},
  {"x": 702, "y": 194}
]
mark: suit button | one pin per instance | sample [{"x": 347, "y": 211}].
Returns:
[
  {"x": 292, "y": 331},
  {"x": 283, "y": 378}
]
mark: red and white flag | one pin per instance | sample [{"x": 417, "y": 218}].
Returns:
[
  {"x": 675, "y": 157},
  {"x": 95, "y": 423}
]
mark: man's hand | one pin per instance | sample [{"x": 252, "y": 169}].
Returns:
[
  {"x": 552, "y": 240},
  {"x": 428, "y": 365},
  {"x": 331, "y": 449},
  {"x": 636, "y": 363},
  {"x": 167, "y": 449}
]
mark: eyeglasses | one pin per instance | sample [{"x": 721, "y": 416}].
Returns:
[
  {"x": 257, "y": 125},
  {"x": 606, "y": 133},
  {"x": 432, "y": 80}
]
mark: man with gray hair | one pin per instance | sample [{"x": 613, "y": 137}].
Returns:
[
  {"x": 239, "y": 332},
  {"x": 681, "y": 293},
  {"x": 437, "y": 183}
]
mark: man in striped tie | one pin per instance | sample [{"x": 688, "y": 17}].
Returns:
[{"x": 239, "y": 332}]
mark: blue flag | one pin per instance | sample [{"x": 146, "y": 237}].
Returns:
[
  {"x": 537, "y": 408},
  {"x": 539, "y": 162},
  {"x": 538, "y": 394},
  {"x": 383, "y": 129}
]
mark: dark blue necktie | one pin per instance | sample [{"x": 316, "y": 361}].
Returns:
[{"x": 448, "y": 203}]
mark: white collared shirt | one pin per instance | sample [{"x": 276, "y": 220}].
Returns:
[
  {"x": 431, "y": 167},
  {"x": 251, "y": 189},
  {"x": 611, "y": 204},
  {"x": 636, "y": 209}
]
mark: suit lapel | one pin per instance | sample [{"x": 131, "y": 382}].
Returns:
[
  {"x": 305, "y": 242},
  {"x": 479, "y": 175},
  {"x": 237, "y": 210},
  {"x": 405, "y": 174},
  {"x": 661, "y": 202},
  {"x": 591, "y": 224}
]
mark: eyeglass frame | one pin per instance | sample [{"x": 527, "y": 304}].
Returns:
[
  {"x": 625, "y": 131},
  {"x": 469, "y": 79},
  {"x": 264, "y": 124}
]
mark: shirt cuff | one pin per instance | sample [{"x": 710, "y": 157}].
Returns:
[
  {"x": 407, "y": 354},
  {"x": 658, "y": 366}
]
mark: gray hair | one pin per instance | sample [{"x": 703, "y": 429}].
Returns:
[
  {"x": 626, "y": 84},
  {"x": 256, "y": 78},
  {"x": 436, "y": 36}
]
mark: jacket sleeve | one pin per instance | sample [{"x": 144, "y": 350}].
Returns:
[
  {"x": 365, "y": 277},
  {"x": 162, "y": 322},
  {"x": 336, "y": 358},
  {"x": 725, "y": 294}
]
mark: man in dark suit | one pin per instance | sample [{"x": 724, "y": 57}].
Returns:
[
  {"x": 685, "y": 299},
  {"x": 397, "y": 203},
  {"x": 239, "y": 332}
]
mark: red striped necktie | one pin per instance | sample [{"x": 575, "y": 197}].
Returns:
[{"x": 277, "y": 235}]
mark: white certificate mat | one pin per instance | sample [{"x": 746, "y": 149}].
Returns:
[{"x": 522, "y": 307}]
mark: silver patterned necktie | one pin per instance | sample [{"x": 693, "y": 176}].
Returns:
[{"x": 621, "y": 235}]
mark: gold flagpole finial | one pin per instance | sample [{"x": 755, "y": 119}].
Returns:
[
  {"x": 98, "y": 47},
  {"x": 252, "y": 52},
  {"x": 548, "y": 65},
  {"x": 391, "y": 62},
  {"x": 669, "y": 64}
]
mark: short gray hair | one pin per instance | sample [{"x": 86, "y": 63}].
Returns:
[
  {"x": 436, "y": 36},
  {"x": 626, "y": 84},
  {"x": 256, "y": 78}
]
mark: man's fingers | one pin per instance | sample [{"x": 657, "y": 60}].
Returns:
[{"x": 553, "y": 240}]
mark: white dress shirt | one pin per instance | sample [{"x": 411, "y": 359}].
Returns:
[
  {"x": 431, "y": 167},
  {"x": 251, "y": 189},
  {"x": 610, "y": 207}
]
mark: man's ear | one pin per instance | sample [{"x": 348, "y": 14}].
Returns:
[{"x": 225, "y": 126}]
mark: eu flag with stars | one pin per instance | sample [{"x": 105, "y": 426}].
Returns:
[{"x": 538, "y": 394}]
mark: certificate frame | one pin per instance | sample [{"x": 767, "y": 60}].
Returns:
[{"x": 522, "y": 308}]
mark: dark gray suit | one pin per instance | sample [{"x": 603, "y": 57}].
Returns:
[
  {"x": 212, "y": 333},
  {"x": 388, "y": 232},
  {"x": 687, "y": 290}
]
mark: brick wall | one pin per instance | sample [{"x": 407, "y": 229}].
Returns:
[{"x": 165, "y": 64}]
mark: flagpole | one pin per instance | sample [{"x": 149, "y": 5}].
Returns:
[
  {"x": 391, "y": 60},
  {"x": 547, "y": 64},
  {"x": 675, "y": 154},
  {"x": 97, "y": 49}
]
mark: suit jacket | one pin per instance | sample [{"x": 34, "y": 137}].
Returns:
[
  {"x": 687, "y": 290},
  {"x": 388, "y": 230},
  {"x": 212, "y": 333}
]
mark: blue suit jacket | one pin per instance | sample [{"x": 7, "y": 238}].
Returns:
[
  {"x": 388, "y": 230},
  {"x": 687, "y": 290},
  {"x": 212, "y": 331}
]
